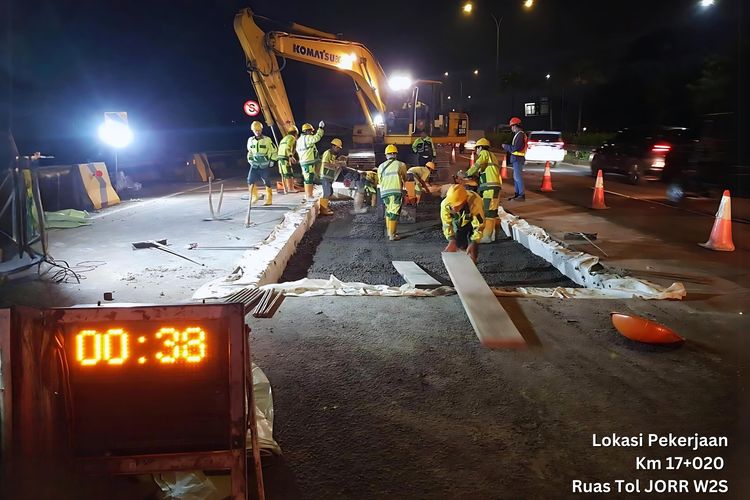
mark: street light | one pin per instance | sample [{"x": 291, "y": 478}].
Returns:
[
  {"x": 445, "y": 74},
  {"x": 468, "y": 7},
  {"x": 706, "y": 3},
  {"x": 547, "y": 77},
  {"x": 468, "y": 97},
  {"x": 449, "y": 98},
  {"x": 476, "y": 71},
  {"x": 528, "y": 4}
]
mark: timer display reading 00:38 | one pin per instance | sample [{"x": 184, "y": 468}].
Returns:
[{"x": 116, "y": 346}]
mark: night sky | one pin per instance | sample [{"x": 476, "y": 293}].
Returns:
[{"x": 178, "y": 69}]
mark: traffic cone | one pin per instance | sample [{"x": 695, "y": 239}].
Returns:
[
  {"x": 597, "y": 202},
  {"x": 504, "y": 170},
  {"x": 547, "y": 180},
  {"x": 721, "y": 234},
  {"x": 471, "y": 161},
  {"x": 453, "y": 154}
]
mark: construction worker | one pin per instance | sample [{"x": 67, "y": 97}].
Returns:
[
  {"x": 261, "y": 154},
  {"x": 371, "y": 185},
  {"x": 424, "y": 149},
  {"x": 287, "y": 159},
  {"x": 328, "y": 173},
  {"x": 391, "y": 180},
  {"x": 487, "y": 168},
  {"x": 421, "y": 175},
  {"x": 462, "y": 214},
  {"x": 517, "y": 152},
  {"x": 308, "y": 155}
]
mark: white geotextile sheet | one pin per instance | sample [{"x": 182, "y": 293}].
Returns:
[
  {"x": 579, "y": 266},
  {"x": 266, "y": 263},
  {"x": 312, "y": 287}
]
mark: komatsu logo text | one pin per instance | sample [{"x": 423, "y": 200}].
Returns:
[{"x": 323, "y": 55}]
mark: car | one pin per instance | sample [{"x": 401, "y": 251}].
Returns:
[
  {"x": 644, "y": 152},
  {"x": 472, "y": 138},
  {"x": 545, "y": 146},
  {"x": 714, "y": 161}
]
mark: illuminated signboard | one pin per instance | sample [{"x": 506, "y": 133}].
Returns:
[{"x": 149, "y": 380}]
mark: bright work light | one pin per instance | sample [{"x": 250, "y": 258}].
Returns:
[
  {"x": 117, "y": 135},
  {"x": 397, "y": 83}
]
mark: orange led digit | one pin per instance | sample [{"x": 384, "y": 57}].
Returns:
[
  {"x": 113, "y": 336},
  {"x": 172, "y": 343},
  {"x": 193, "y": 344},
  {"x": 84, "y": 348}
]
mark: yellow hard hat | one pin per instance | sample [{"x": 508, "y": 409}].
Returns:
[
  {"x": 430, "y": 165},
  {"x": 307, "y": 127},
  {"x": 256, "y": 126},
  {"x": 391, "y": 149},
  {"x": 293, "y": 130},
  {"x": 456, "y": 195},
  {"x": 483, "y": 142},
  {"x": 337, "y": 142}
]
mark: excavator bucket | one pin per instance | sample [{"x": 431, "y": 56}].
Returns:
[{"x": 643, "y": 330}]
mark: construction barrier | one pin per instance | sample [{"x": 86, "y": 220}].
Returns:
[{"x": 82, "y": 187}]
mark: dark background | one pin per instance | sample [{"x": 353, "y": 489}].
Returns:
[{"x": 178, "y": 70}]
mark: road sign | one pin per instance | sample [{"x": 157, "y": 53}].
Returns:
[
  {"x": 116, "y": 116},
  {"x": 251, "y": 108}
]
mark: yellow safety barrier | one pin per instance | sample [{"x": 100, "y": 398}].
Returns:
[{"x": 97, "y": 184}]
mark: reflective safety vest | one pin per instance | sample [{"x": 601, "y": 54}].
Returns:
[
  {"x": 471, "y": 213},
  {"x": 521, "y": 148},
  {"x": 260, "y": 152},
  {"x": 329, "y": 165},
  {"x": 486, "y": 165},
  {"x": 307, "y": 149},
  {"x": 424, "y": 147},
  {"x": 391, "y": 177},
  {"x": 421, "y": 172},
  {"x": 286, "y": 147}
]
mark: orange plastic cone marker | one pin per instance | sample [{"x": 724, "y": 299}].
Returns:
[
  {"x": 453, "y": 155},
  {"x": 471, "y": 161},
  {"x": 547, "y": 180},
  {"x": 644, "y": 330},
  {"x": 504, "y": 170},
  {"x": 597, "y": 202},
  {"x": 721, "y": 234}
]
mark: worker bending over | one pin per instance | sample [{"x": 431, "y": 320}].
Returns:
[
  {"x": 328, "y": 174},
  {"x": 308, "y": 155},
  {"x": 391, "y": 180},
  {"x": 371, "y": 186},
  {"x": 421, "y": 176},
  {"x": 424, "y": 148},
  {"x": 486, "y": 167},
  {"x": 287, "y": 159},
  {"x": 462, "y": 214},
  {"x": 261, "y": 153}
]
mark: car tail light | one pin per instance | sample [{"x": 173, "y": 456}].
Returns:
[{"x": 661, "y": 148}]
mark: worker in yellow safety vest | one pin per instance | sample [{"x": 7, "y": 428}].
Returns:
[
  {"x": 391, "y": 180},
  {"x": 371, "y": 185},
  {"x": 261, "y": 155},
  {"x": 421, "y": 176},
  {"x": 287, "y": 159},
  {"x": 462, "y": 215},
  {"x": 308, "y": 155},
  {"x": 424, "y": 148},
  {"x": 487, "y": 168},
  {"x": 517, "y": 150},
  {"x": 328, "y": 173}
]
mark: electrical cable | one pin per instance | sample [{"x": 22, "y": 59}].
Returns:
[{"x": 64, "y": 273}]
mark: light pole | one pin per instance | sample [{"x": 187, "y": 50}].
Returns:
[{"x": 468, "y": 9}]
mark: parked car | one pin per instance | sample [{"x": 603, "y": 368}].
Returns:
[
  {"x": 472, "y": 137},
  {"x": 545, "y": 146},
  {"x": 643, "y": 152},
  {"x": 714, "y": 161}
]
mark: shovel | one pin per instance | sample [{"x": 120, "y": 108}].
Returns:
[{"x": 161, "y": 245}]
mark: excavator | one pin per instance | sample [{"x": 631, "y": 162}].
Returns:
[{"x": 394, "y": 110}]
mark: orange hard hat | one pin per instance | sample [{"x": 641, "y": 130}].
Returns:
[{"x": 515, "y": 121}]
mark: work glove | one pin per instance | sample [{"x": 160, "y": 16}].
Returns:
[
  {"x": 472, "y": 251},
  {"x": 451, "y": 247},
  {"x": 321, "y": 124}
]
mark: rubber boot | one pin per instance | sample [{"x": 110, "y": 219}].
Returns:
[
  {"x": 254, "y": 193},
  {"x": 324, "y": 210},
  {"x": 269, "y": 197},
  {"x": 392, "y": 235},
  {"x": 488, "y": 235},
  {"x": 308, "y": 192}
]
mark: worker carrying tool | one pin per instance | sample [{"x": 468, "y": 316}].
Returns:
[
  {"x": 261, "y": 155},
  {"x": 328, "y": 173},
  {"x": 308, "y": 155},
  {"x": 424, "y": 148},
  {"x": 462, "y": 214},
  {"x": 391, "y": 180},
  {"x": 487, "y": 168},
  {"x": 517, "y": 152},
  {"x": 421, "y": 175},
  {"x": 287, "y": 159}
]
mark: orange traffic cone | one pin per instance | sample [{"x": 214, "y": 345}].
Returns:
[
  {"x": 453, "y": 154},
  {"x": 504, "y": 170},
  {"x": 547, "y": 180},
  {"x": 721, "y": 234},
  {"x": 471, "y": 161},
  {"x": 597, "y": 202}
]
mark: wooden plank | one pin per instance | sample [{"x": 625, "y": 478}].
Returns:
[
  {"x": 414, "y": 275},
  {"x": 490, "y": 320}
]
